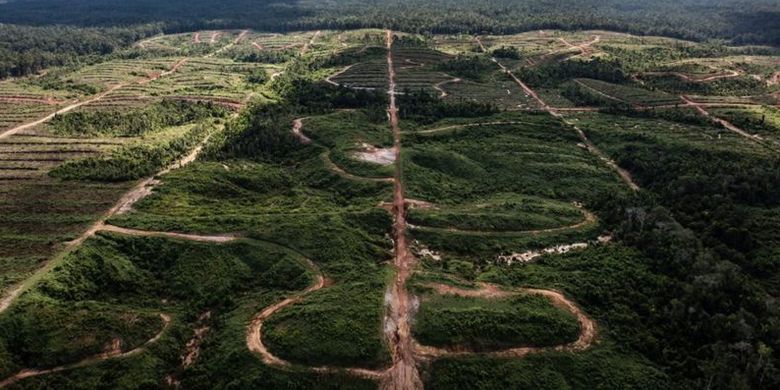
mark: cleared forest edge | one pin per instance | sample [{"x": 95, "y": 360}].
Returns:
[
  {"x": 142, "y": 189},
  {"x": 114, "y": 354}
]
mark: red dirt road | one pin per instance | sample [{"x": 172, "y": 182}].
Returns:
[
  {"x": 722, "y": 122},
  {"x": 586, "y": 338},
  {"x": 403, "y": 375}
]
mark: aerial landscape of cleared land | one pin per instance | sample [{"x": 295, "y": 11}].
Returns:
[{"x": 356, "y": 208}]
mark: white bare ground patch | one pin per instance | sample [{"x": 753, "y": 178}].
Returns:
[
  {"x": 527, "y": 256},
  {"x": 421, "y": 251},
  {"x": 373, "y": 154},
  {"x": 419, "y": 204}
]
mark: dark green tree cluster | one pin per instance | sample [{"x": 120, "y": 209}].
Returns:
[
  {"x": 134, "y": 123},
  {"x": 27, "y": 50},
  {"x": 468, "y": 67},
  {"x": 425, "y": 107},
  {"x": 551, "y": 75}
]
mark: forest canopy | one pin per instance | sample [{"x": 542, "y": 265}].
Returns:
[{"x": 737, "y": 20}]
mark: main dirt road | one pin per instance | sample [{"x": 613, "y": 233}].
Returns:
[{"x": 403, "y": 375}]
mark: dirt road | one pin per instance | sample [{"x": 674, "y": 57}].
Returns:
[
  {"x": 588, "y": 218},
  {"x": 438, "y": 86},
  {"x": 196, "y": 37},
  {"x": 305, "y": 48},
  {"x": 254, "y": 333},
  {"x": 624, "y": 175},
  {"x": 214, "y": 238},
  {"x": 727, "y": 75},
  {"x": 113, "y": 354},
  {"x": 403, "y": 374},
  {"x": 585, "y": 339},
  {"x": 722, "y": 122},
  {"x": 139, "y": 191}
]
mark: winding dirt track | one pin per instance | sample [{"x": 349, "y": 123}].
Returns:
[
  {"x": 254, "y": 333},
  {"x": 587, "y": 325},
  {"x": 330, "y": 78},
  {"x": 125, "y": 203},
  {"x": 610, "y": 97},
  {"x": 589, "y": 218},
  {"x": 624, "y": 175},
  {"x": 214, "y": 238},
  {"x": 728, "y": 75},
  {"x": 438, "y": 86},
  {"x": 196, "y": 37},
  {"x": 114, "y": 354},
  {"x": 403, "y": 374}
]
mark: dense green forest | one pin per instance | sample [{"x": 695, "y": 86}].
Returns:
[{"x": 742, "y": 21}]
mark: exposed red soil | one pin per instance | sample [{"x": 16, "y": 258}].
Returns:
[
  {"x": 240, "y": 37},
  {"x": 113, "y": 352},
  {"x": 214, "y": 37},
  {"x": 196, "y": 37},
  {"x": 258, "y": 46},
  {"x": 586, "y": 338},
  {"x": 403, "y": 374}
]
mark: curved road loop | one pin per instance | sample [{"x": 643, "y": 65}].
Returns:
[
  {"x": 254, "y": 333},
  {"x": 587, "y": 325},
  {"x": 114, "y": 354}
]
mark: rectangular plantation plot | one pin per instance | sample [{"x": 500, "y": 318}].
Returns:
[
  {"x": 370, "y": 74},
  {"x": 632, "y": 95}
]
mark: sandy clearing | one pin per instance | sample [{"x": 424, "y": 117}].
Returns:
[
  {"x": 375, "y": 155},
  {"x": 113, "y": 353},
  {"x": 341, "y": 172},
  {"x": 586, "y": 338},
  {"x": 297, "y": 131}
]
